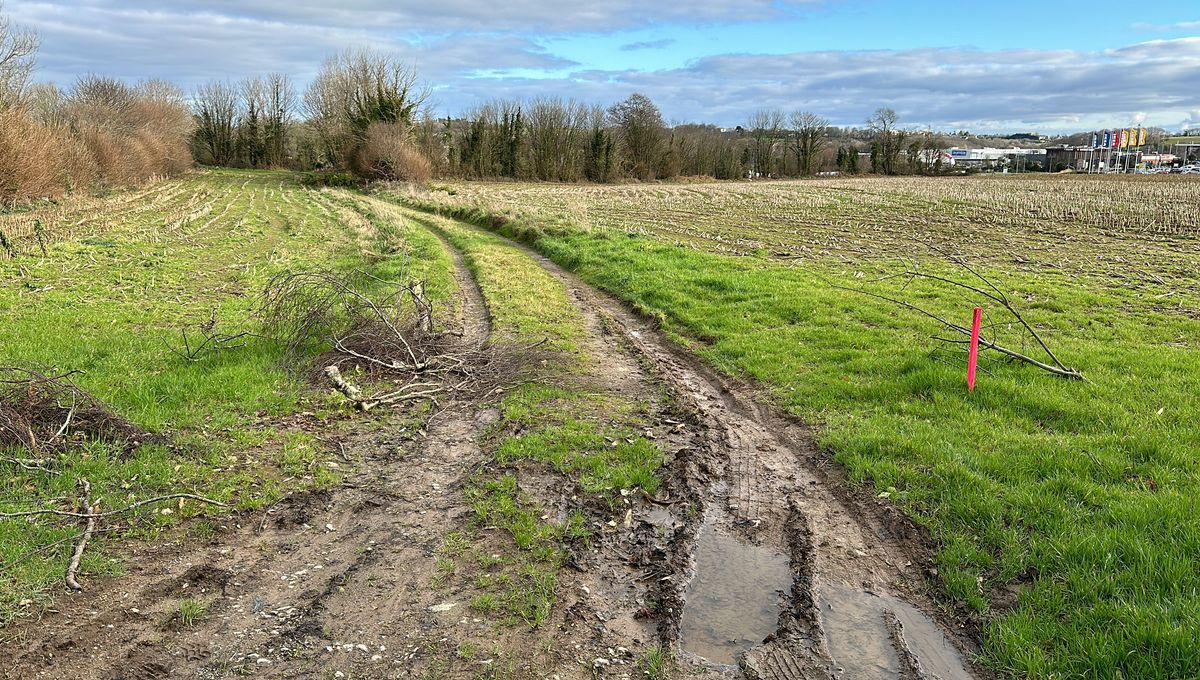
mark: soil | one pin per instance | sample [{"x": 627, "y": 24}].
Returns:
[{"x": 756, "y": 558}]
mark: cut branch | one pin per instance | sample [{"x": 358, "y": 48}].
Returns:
[
  {"x": 90, "y": 512},
  {"x": 990, "y": 291},
  {"x": 110, "y": 513}
]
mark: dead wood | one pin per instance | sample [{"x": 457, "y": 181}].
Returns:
[
  {"x": 45, "y": 414},
  {"x": 73, "y": 566},
  {"x": 987, "y": 290},
  {"x": 385, "y": 331},
  {"x": 110, "y": 513},
  {"x": 210, "y": 341}
]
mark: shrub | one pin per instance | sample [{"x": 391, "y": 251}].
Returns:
[
  {"x": 387, "y": 153},
  {"x": 329, "y": 179}
]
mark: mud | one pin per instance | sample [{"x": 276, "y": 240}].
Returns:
[
  {"x": 755, "y": 558},
  {"x": 735, "y": 597},
  {"x": 783, "y": 494}
]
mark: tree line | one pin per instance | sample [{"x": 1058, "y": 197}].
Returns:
[{"x": 366, "y": 113}]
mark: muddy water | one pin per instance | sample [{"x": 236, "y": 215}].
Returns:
[
  {"x": 734, "y": 598},
  {"x": 857, "y": 636}
]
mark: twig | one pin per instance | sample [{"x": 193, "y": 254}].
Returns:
[
  {"x": 73, "y": 567},
  {"x": 110, "y": 513},
  {"x": 1068, "y": 373},
  {"x": 29, "y": 464}
]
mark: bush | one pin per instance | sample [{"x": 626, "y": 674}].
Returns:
[
  {"x": 31, "y": 158},
  {"x": 388, "y": 154},
  {"x": 329, "y": 179},
  {"x": 103, "y": 134}
]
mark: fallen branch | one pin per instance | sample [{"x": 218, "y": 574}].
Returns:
[
  {"x": 1059, "y": 370},
  {"x": 212, "y": 340},
  {"x": 987, "y": 290},
  {"x": 110, "y": 513},
  {"x": 29, "y": 464},
  {"x": 73, "y": 567}
]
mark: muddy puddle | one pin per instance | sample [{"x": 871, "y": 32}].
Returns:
[
  {"x": 862, "y": 644},
  {"x": 734, "y": 598}
]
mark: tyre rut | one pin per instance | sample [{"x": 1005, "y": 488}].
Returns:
[{"x": 771, "y": 486}]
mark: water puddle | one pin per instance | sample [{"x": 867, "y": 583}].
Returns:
[
  {"x": 860, "y": 644},
  {"x": 734, "y": 600}
]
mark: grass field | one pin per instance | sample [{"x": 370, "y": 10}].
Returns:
[
  {"x": 118, "y": 281},
  {"x": 1077, "y": 497},
  {"x": 1065, "y": 511}
]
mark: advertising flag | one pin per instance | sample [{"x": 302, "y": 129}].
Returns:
[
  {"x": 1107, "y": 139},
  {"x": 1141, "y": 137},
  {"x": 1124, "y": 138},
  {"x": 1095, "y": 140},
  {"x": 1116, "y": 138}
]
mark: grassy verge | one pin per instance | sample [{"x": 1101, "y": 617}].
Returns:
[
  {"x": 1079, "y": 496},
  {"x": 110, "y": 296}
]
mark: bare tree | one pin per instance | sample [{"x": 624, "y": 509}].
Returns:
[
  {"x": 556, "y": 132},
  {"x": 280, "y": 101},
  {"x": 356, "y": 89},
  {"x": 766, "y": 126},
  {"x": 215, "y": 106},
  {"x": 808, "y": 140},
  {"x": 640, "y": 132},
  {"x": 887, "y": 141},
  {"x": 251, "y": 143},
  {"x": 17, "y": 50}
]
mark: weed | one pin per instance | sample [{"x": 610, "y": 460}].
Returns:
[
  {"x": 656, "y": 663},
  {"x": 191, "y": 611}
]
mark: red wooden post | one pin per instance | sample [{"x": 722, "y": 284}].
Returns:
[{"x": 973, "y": 357}]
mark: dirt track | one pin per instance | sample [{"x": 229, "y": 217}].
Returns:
[{"x": 340, "y": 582}]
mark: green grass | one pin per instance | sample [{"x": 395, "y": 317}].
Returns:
[
  {"x": 122, "y": 278},
  {"x": 526, "y": 302},
  {"x": 524, "y": 587},
  {"x": 191, "y": 612},
  {"x": 604, "y": 460},
  {"x": 1087, "y": 492},
  {"x": 656, "y": 663}
]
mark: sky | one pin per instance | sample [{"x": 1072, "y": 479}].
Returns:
[{"x": 981, "y": 65}]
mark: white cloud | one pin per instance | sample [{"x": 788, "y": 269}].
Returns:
[
  {"x": 1167, "y": 28},
  {"x": 189, "y": 42},
  {"x": 470, "y": 15}
]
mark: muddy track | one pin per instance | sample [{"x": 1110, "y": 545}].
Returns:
[
  {"x": 857, "y": 604},
  {"x": 348, "y": 582},
  {"x": 774, "y": 545}
]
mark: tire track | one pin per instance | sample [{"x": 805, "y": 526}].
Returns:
[{"x": 846, "y": 551}]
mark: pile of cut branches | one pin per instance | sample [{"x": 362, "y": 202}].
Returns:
[
  {"x": 45, "y": 414},
  {"x": 384, "y": 329}
]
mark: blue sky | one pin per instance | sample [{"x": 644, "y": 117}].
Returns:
[{"x": 1053, "y": 65}]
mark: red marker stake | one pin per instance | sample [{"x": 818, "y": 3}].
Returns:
[{"x": 973, "y": 357}]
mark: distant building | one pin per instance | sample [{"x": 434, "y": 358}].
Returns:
[{"x": 991, "y": 158}]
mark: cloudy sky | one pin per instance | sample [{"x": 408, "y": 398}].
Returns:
[{"x": 986, "y": 65}]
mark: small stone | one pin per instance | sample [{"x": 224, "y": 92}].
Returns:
[
  {"x": 329, "y": 527},
  {"x": 263, "y": 661}
]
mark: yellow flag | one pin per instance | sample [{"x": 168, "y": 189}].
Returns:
[
  {"x": 1141, "y": 136},
  {"x": 1124, "y": 138}
]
